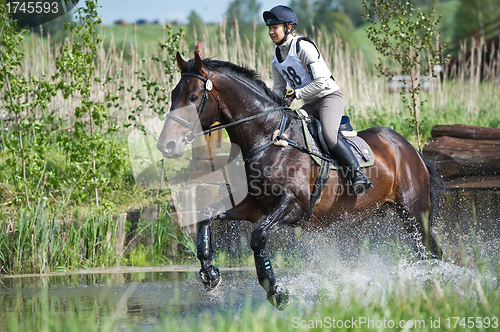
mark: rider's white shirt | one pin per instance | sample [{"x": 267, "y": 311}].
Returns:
[{"x": 305, "y": 71}]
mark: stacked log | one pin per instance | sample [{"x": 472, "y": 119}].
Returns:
[
  {"x": 467, "y": 159},
  {"x": 465, "y": 156}
]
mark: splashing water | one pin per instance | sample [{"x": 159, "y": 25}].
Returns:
[{"x": 383, "y": 270}]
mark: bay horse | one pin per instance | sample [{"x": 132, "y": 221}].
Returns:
[{"x": 250, "y": 112}]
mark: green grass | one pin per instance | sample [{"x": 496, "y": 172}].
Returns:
[
  {"x": 453, "y": 112},
  {"x": 134, "y": 38},
  {"x": 38, "y": 240}
]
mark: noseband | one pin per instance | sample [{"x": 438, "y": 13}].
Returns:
[{"x": 190, "y": 136}]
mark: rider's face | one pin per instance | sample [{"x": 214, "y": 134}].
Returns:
[{"x": 276, "y": 32}]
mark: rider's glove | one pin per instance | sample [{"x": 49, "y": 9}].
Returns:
[{"x": 289, "y": 97}]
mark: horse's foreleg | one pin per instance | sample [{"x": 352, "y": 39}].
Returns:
[
  {"x": 285, "y": 211},
  {"x": 210, "y": 275}
]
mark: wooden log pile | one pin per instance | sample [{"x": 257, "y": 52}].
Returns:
[{"x": 465, "y": 156}]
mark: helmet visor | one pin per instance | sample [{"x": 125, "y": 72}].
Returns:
[{"x": 271, "y": 19}]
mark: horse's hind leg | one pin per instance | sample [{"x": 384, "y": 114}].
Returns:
[{"x": 416, "y": 221}]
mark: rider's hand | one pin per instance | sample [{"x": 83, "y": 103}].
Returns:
[{"x": 289, "y": 97}]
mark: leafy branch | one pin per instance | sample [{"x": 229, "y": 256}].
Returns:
[
  {"x": 16, "y": 85},
  {"x": 77, "y": 61},
  {"x": 405, "y": 34}
]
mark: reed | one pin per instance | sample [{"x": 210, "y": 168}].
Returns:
[
  {"x": 39, "y": 240},
  {"x": 37, "y": 243},
  {"x": 460, "y": 98}
]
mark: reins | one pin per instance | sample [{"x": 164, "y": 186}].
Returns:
[
  {"x": 281, "y": 137},
  {"x": 209, "y": 88},
  {"x": 201, "y": 109}
]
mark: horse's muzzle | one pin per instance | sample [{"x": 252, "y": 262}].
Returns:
[{"x": 170, "y": 150}]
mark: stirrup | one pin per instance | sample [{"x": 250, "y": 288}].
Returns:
[{"x": 361, "y": 184}]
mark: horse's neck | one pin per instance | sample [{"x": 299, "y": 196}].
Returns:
[
  {"x": 255, "y": 132},
  {"x": 243, "y": 103}
]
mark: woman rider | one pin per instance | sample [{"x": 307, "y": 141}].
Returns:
[{"x": 298, "y": 62}]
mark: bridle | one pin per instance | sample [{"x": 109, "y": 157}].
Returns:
[{"x": 191, "y": 135}]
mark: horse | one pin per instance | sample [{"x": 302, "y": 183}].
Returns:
[{"x": 240, "y": 101}]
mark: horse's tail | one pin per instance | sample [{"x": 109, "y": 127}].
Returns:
[{"x": 436, "y": 185}]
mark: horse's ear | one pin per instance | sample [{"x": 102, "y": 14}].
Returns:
[
  {"x": 181, "y": 63},
  {"x": 202, "y": 71}
]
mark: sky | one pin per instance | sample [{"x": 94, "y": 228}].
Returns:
[{"x": 210, "y": 11}]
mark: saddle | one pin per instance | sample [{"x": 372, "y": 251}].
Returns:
[
  {"x": 316, "y": 130},
  {"x": 315, "y": 140}
]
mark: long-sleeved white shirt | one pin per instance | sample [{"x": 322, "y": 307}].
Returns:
[{"x": 319, "y": 87}]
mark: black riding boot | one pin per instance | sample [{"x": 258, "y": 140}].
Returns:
[{"x": 345, "y": 156}]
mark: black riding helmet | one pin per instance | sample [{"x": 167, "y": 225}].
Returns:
[{"x": 278, "y": 15}]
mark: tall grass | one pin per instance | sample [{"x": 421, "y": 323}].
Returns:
[
  {"x": 37, "y": 243},
  {"x": 40, "y": 241},
  {"x": 461, "y": 98}
]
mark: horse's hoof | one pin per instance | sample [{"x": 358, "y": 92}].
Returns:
[
  {"x": 210, "y": 277},
  {"x": 279, "y": 299}
]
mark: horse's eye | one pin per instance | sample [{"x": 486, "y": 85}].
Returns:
[{"x": 193, "y": 98}]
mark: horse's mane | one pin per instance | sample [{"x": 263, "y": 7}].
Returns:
[{"x": 244, "y": 73}]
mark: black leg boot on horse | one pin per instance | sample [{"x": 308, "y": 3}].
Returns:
[
  {"x": 210, "y": 275},
  {"x": 343, "y": 153},
  {"x": 276, "y": 295}
]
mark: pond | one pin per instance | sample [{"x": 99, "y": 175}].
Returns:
[
  {"x": 383, "y": 275},
  {"x": 141, "y": 297}
]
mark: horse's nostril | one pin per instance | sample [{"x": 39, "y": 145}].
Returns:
[{"x": 170, "y": 147}]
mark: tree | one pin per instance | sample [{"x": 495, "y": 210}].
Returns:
[
  {"x": 195, "y": 29},
  {"x": 246, "y": 12},
  {"x": 353, "y": 9},
  {"x": 196, "y": 24},
  {"x": 330, "y": 19},
  {"x": 305, "y": 14},
  {"x": 406, "y": 35},
  {"x": 16, "y": 85}
]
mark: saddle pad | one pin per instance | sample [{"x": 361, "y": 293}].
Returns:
[{"x": 362, "y": 152}]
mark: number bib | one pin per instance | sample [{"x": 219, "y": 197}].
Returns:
[{"x": 291, "y": 68}]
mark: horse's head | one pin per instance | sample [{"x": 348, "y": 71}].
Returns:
[{"x": 195, "y": 107}]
